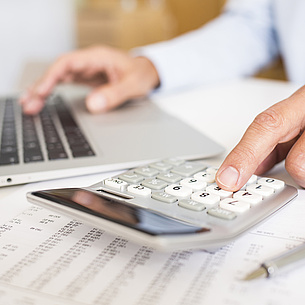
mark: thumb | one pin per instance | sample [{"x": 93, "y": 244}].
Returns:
[{"x": 110, "y": 95}]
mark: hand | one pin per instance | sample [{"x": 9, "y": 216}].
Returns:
[
  {"x": 275, "y": 134},
  {"x": 114, "y": 75}
]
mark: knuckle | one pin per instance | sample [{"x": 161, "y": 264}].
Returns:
[{"x": 270, "y": 120}]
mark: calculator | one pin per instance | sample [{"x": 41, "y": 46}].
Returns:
[{"x": 171, "y": 204}]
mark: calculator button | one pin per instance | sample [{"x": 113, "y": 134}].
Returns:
[
  {"x": 131, "y": 177},
  {"x": 164, "y": 197},
  {"x": 205, "y": 176},
  {"x": 216, "y": 190},
  {"x": 248, "y": 197},
  {"x": 194, "y": 184},
  {"x": 161, "y": 166},
  {"x": 138, "y": 189},
  {"x": 273, "y": 183},
  {"x": 260, "y": 189},
  {"x": 146, "y": 171},
  {"x": 191, "y": 205},
  {"x": 116, "y": 183},
  {"x": 221, "y": 213},
  {"x": 212, "y": 170},
  {"x": 188, "y": 169},
  {"x": 205, "y": 198},
  {"x": 174, "y": 161},
  {"x": 234, "y": 205},
  {"x": 178, "y": 190},
  {"x": 169, "y": 177},
  {"x": 154, "y": 184}
]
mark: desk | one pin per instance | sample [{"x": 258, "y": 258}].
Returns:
[{"x": 49, "y": 259}]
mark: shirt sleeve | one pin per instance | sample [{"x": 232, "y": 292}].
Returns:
[{"x": 238, "y": 43}]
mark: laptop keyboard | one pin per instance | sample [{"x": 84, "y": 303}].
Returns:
[{"x": 31, "y": 145}]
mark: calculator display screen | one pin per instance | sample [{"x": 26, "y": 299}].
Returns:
[{"x": 119, "y": 212}]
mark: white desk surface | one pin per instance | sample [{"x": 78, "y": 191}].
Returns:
[{"x": 221, "y": 111}]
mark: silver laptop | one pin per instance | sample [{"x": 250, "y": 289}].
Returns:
[{"x": 65, "y": 140}]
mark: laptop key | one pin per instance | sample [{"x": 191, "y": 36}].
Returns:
[
  {"x": 82, "y": 153},
  {"x": 55, "y": 155},
  {"x": 10, "y": 158},
  {"x": 31, "y": 157}
]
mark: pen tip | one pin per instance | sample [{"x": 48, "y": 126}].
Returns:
[{"x": 258, "y": 273}]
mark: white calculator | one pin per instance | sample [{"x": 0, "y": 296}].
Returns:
[{"x": 170, "y": 205}]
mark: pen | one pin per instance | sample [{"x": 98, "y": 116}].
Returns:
[{"x": 279, "y": 263}]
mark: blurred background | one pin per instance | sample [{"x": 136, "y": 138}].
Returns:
[{"x": 35, "y": 32}]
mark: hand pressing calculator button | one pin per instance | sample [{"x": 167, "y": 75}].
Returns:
[{"x": 171, "y": 204}]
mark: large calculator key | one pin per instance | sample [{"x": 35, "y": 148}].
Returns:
[
  {"x": 116, "y": 183},
  {"x": 146, "y": 171},
  {"x": 169, "y": 177},
  {"x": 221, "y": 213},
  {"x": 164, "y": 197},
  {"x": 216, "y": 190},
  {"x": 273, "y": 183},
  {"x": 248, "y": 197},
  {"x": 161, "y": 166},
  {"x": 206, "y": 198},
  {"x": 260, "y": 189},
  {"x": 191, "y": 205},
  {"x": 234, "y": 205},
  {"x": 188, "y": 169},
  {"x": 194, "y": 184},
  {"x": 131, "y": 177},
  {"x": 174, "y": 161},
  {"x": 205, "y": 176},
  {"x": 138, "y": 189},
  {"x": 178, "y": 190},
  {"x": 154, "y": 184}
]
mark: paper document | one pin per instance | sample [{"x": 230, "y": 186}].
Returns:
[{"x": 46, "y": 258}]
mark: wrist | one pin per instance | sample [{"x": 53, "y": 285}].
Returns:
[{"x": 148, "y": 73}]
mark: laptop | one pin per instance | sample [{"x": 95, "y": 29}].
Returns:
[{"x": 65, "y": 140}]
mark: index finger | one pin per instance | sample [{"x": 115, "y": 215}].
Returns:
[
  {"x": 33, "y": 101},
  {"x": 278, "y": 124}
]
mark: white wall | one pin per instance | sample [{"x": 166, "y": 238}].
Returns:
[{"x": 32, "y": 30}]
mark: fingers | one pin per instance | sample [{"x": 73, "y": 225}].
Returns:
[
  {"x": 295, "y": 161},
  {"x": 67, "y": 68},
  {"x": 123, "y": 77},
  {"x": 33, "y": 100},
  {"x": 276, "y": 156},
  {"x": 281, "y": 123},
  {"x": 135, "y": 83},
  {"x": 111, "y": 95}
]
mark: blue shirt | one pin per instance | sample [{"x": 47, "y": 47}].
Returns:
[{"x": 248, "y": 36}]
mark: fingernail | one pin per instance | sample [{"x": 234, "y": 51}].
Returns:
[
  {"x": 229, "y": 177},
  {"x": 97, "y": 103}
]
